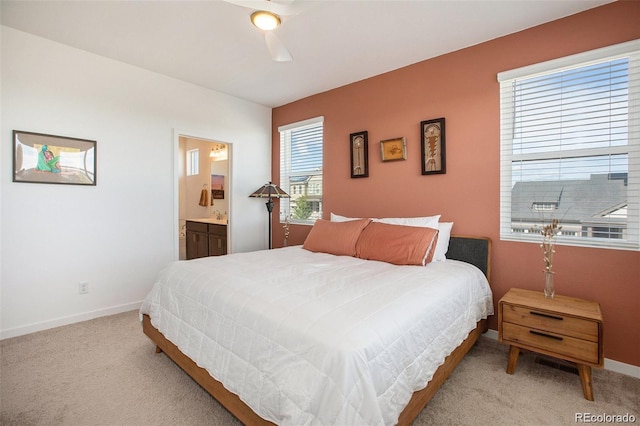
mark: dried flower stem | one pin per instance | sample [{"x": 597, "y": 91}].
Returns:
[
  {"x": 548, "y": 233},
  {"x": 285, "y": 226}
]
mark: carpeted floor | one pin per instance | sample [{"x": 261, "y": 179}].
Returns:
[{"x": 106, "y": 372}]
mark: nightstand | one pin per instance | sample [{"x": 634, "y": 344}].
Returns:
[{"x": 563, "y": 327}]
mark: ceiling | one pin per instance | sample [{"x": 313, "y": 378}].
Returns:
[{"x": 333, "y": 42}]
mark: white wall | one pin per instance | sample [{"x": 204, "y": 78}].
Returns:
[{"x": 118, "y": 234}]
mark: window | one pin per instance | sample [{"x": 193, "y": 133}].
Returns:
[
  {"x": 193, "y": 162},
  {"x": 301, "y": 170},
  {"x": 570, "y": 148},
  {"x": 544, "y": 207}
]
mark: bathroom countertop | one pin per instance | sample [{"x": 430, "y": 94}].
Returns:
[{"x": 210, "y": 220}]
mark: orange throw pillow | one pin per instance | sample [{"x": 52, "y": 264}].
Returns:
[
  {"x": 337, "y": 238},
  {"x": 400, "y": 245}
]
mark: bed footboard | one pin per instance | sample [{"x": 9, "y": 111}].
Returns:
[
  {"x": 248, "y": 417},
  {"x": 227, "y": 399},
  {"x": 420, "y": 398}
]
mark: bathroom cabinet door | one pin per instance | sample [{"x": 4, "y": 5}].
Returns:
[
  {"x": 197, "y": 240},
  {"x": 217, "y": 240}
]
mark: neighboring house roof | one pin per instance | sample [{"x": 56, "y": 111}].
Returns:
[
  {"x": 304, "y": 179},
  {"x": 298, "y": 179},
  {"x": 574, "y": 200}
]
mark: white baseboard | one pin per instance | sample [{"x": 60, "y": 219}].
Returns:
[
  {"x": 609, "y": 364},
  {"x": 72, "y": 319},
  {"x": 621, "y": 367}
]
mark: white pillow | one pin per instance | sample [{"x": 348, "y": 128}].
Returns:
[
  {"x": 424, "y": 222},
  {"x": 338, "y": 218},
  {"x": 444, "y": 233}
]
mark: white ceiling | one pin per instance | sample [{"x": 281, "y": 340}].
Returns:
[{"x": 333, "y": 42}]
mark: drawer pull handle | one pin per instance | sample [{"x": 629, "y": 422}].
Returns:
[
  {"x": 537, "y": 333},
  {"x": 546, "y": 315}
]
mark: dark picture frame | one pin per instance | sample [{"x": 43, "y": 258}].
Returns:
[
  {"x": 393, "y": 149},
  {"x": 432, "y": 146},
  {"x": 359, "y": 147},
  {"x": 44, "y": 158}
]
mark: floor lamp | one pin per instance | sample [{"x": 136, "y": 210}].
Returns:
[{"x": 269, "y": 191}]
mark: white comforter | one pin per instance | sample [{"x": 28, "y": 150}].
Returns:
[{"x": 312, "y": 338}]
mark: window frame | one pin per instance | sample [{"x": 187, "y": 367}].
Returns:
[
  {"x": 193, "y": 162},
  {"x": 285, "y": 173},
  {"x": 630, "y": 50}
]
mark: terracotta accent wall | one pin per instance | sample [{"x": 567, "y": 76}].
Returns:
[{"x": 462, "y": 87}]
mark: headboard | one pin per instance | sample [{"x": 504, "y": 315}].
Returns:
[{"x": 474, "y": 250}]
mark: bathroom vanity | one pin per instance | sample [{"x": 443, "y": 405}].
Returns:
[{"x": 206, "y": 237}]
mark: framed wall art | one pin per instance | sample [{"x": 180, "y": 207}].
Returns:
[
  {"x": 393, "y": 149},
  {"x": 217, "y": 187},
  {"x": 42, "y": 158},
  {"x": 359, "y": 154},
  {"x": 433, "y": 146}
]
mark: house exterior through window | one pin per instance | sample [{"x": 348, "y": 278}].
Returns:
[
  {"x": 301, "y": 147},
  {"x": 570, "y": 148}
]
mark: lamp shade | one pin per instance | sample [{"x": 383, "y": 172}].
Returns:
[{"x": 269, "y": 190}]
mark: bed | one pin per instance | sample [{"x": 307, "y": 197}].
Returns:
[{"x": 293, "y": 336}]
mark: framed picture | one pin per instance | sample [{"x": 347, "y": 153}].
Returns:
[
  {"x": 393, "y": 149},
  {"x": 359, "y": 154},
  {"x": 217, "y": 187},
  {"x": 433, "y": 146},
  {"x": 41, "y": 158}
]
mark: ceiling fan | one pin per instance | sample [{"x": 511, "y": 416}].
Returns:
[{"x": 267, "y": 16}]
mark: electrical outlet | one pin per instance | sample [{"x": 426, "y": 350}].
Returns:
[{"x": 83, "y": 287}]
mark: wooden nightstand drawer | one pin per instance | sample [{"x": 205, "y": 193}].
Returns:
[
  {"x": 577, "y": 350},
  {"x": 551, "y": 321}
]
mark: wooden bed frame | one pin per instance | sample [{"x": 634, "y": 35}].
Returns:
[{"x": 474, "y": 250}]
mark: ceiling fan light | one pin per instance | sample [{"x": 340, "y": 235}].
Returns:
[{"x": 264, "y": 20}]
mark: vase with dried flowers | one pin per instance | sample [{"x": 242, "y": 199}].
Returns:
[{"x": 549, "y": 233}]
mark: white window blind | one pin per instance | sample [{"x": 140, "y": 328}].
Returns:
[
  {"x": 570, "y": 148},
  {"x": 301, "y": 170}
]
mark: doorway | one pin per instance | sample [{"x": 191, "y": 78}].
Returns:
[{"x": 203, "y": 186}]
